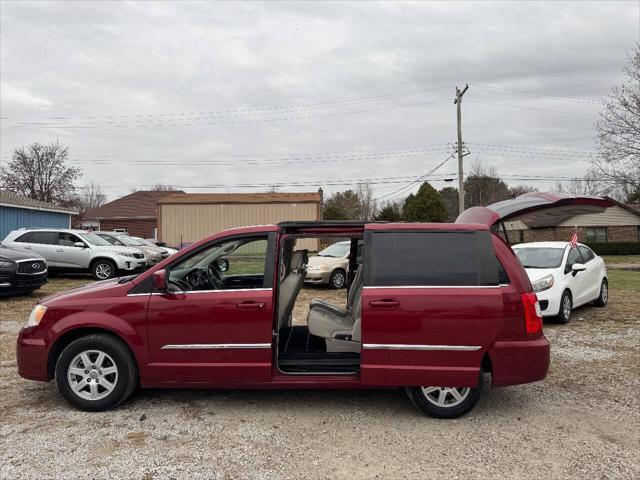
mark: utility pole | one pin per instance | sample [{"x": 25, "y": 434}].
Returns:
[{"x": 458, "y": 103}]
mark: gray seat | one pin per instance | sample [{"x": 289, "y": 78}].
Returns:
[
  {"x": 338, "y": 326},
  {"x": 290, "y": 286}
]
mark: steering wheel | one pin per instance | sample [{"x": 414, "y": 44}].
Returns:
[{"x": 215, "y": 278}]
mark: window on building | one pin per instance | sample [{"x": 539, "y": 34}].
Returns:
[{"x": 596, "y": 234}]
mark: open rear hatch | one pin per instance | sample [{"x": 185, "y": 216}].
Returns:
[{"x": 535, "y": 209}]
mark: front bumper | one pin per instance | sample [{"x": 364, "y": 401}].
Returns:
[
  {"x": 132, "y": 264},
  {"x": 551, "y": 298},
  {"x": 11, "y": 280},
  {"x": 317, "y": 277},
  {"x": 31, "y": 355}
]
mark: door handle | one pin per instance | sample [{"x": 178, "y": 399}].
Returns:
[
  {"x": 60, "y": 250},
  {"x": 27, "y": 247},
  {"x": 251, "y": 305},
  {"x": 384, "y": 303}
]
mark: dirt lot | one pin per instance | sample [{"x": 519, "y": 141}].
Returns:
[{"x": 582, "y": 422}]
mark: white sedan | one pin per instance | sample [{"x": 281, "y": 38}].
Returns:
[{"x": 564, "y": 277}]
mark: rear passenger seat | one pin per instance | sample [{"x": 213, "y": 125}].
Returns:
[{"x": 340, "y": 327}]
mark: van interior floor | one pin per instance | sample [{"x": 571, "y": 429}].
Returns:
[{"x": 301, "y": 352}]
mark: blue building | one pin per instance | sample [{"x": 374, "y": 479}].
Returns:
[{"x": 17, "y": 211}]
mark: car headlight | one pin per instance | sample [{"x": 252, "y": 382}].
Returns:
[
  {"x": 36, "y": 315},
  {"x": 317, "y": 268},
  {"x": 5, "y": 264},
  {"x": 126, "y": 254},
  {"x": 544, "y": 283}
]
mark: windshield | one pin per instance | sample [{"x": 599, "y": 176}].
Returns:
[
  {"x": 145, "y": 242},
  {"x": 130, "y": 241},
  {"x": 540, "y": 257},
  {"x": 94, "y": 239},
  {"x": 337, "y": 250}
]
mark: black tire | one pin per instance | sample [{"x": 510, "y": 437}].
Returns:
[
  {"x": 603, "y": 298},
  {"x": 338, "y": 279},
  {"x": 124, "y": 381},
  {"x": 422, "y": 401},
  {"x": 564, "y": 315},
  {"x": 103, "y": 265}
]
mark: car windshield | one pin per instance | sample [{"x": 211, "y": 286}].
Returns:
[
  {"x": 130, "y": 241},
  {"x": 94, "y": 239},
  {"x": 337, "y": 250},
  {"x": 145, "y": 242},
  {"x": 540, "y": 257}
]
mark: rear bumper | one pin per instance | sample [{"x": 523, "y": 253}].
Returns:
[
  {"x": 31, "y": 355},
  {"x": 516, "y": 362}
]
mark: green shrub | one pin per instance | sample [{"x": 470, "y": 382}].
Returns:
[{"x": 615, "y": 248}]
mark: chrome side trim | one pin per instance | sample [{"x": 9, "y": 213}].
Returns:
[
  {"x": 214, "y": 346},
  {"x": 203, "y": 291},
  {"x": 404, "y": 346},
  {"x": 374, "y": 287}
]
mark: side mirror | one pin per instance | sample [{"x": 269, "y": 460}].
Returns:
[
  {"x": 79, "y": 245},
  {"x": 160, "y": 281},
  {"x": 578, "y": 267},
  {"x": 222, "y": 264}
]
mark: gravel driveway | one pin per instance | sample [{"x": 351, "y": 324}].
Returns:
[{"x": 582, "y": 422}]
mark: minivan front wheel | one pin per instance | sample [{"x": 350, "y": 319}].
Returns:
[
  {"x": 96, "y": 372},
  {"x": 338, "y": 279},
  {"x": 446, "y": 402},
  {"x": 103, "y": 269}
]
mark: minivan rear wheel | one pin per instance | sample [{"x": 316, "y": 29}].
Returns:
[
  {"x": 446, "y": 402},
  {"x": 96, "y": 372}
]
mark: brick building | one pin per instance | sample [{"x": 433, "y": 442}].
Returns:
[
  {"x": 136, "y": 213},
  {"x": 619, "y": 223}
]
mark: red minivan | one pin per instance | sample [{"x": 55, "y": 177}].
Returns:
[{"x": 430, "y": 307}]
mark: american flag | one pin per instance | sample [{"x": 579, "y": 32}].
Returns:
[{"x": 574, "y": 237}]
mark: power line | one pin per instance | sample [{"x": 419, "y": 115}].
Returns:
[
  {"x": 533, "y": 94},
  {"x": 535, "y": 109},
  {"x": 239, "y": 121}
]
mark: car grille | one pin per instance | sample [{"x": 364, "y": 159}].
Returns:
[{"x": 32, "y": 266}]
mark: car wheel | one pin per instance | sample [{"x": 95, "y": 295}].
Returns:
[
  {"x": 566, "y": 305},
  {"x": 338, "y": 279},
  {"x": 446, "y": 402},
  {"x": 603, "y": 298},
  {"x": 96, "y": 372},
  {"x": 103, "y": 270}
]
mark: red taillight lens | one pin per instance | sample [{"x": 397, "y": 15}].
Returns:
[{"x": 532, "y": 315}]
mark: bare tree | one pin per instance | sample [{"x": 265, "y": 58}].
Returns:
[
  {"x": 618, "y": 139},
  {"x": 518, "y": 190},
  {"x": 41, "y": 172},
  {"x": 91, "y": 196},
  {"x": 161, "y": 187},
  {"x": 483, "y": 186},
  {"x": 368, "y": 204}
]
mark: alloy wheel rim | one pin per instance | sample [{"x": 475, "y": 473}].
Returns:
[
  {"x": 566, "y": 307},
  {"x": 103, "y": 270},
  {"x": 92, "y": 375},
  {"x": 338, "y": 279},
  {"x": 446, "y": 397},
  {"x": 604, "y": 292}
]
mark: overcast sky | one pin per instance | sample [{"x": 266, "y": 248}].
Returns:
[{"x": 221, "y": 94}]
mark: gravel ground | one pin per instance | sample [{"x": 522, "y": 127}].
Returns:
[{"x": 582, "y": 422}]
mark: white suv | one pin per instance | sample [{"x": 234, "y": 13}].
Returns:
[{"x": 76, "y": 250}]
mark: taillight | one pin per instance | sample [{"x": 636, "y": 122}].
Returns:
[{"x": 532, "y": 315}]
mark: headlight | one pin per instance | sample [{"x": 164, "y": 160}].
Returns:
[
  {"x": 544, "y": 283},
  {"x": 126, "y": 254},
  {"x": 36, "y": 315},
  {"x": 317, "y": 268},
  {"x": 4, "y": 264}
]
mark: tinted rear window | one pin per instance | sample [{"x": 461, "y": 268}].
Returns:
[
  {"x": 430, "y": 258},
  {"x": 46, "y": 238}
]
